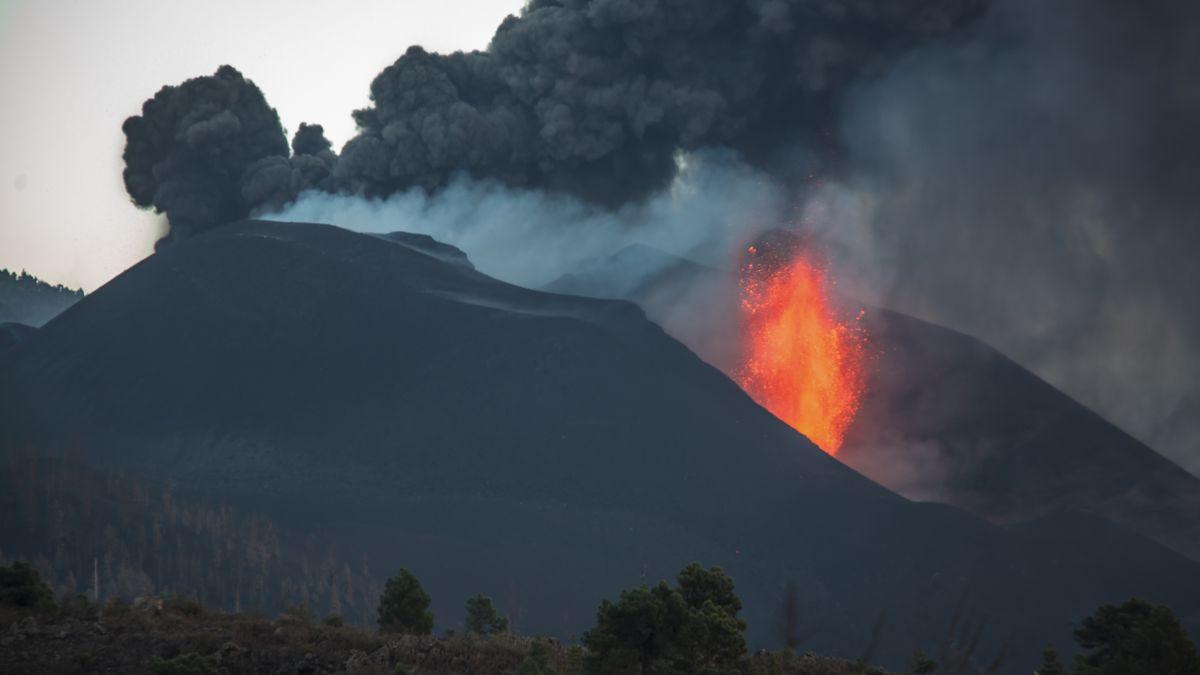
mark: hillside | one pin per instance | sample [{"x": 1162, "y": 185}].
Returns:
[
  {"x": 947, "y": 418},
  {"x": 25, "y": 299},
  {"x": 546, "y": 448},
  {"x": 13, "y": 333}
]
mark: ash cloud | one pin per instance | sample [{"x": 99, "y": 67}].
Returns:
[
  {"x": 595, "y": 98},
  {"x": 186, "y": 152},
  {"x": 590, "y": 98}
]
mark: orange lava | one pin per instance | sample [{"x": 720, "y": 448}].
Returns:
[{"x": 800, "y": 359}]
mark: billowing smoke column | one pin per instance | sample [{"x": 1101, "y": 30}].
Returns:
[
  {"x": 186, "y": 153},
  {"x": 593, "y": 98},
  {"x": 211, "y": 149}
]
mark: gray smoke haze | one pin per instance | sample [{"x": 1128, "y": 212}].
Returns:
[
  {"x": 1036, "y": 182},
  {"x": 534, "y": 237}
]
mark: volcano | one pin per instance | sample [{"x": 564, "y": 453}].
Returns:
[
  {"x": 544, "y": 449},
  {"x": 946, "y": 418}
]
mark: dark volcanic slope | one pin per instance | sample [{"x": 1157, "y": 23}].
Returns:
[
  {"x": 950, "y": 419},
  {"x": 12, "y": 334},
  {"x": 546, "y": 450}
]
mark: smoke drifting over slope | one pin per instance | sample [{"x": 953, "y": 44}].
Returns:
[
  {"x": 1034, "y": 183},
  {"x": 532, "y": 237}
]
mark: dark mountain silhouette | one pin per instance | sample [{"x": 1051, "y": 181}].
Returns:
[
  {"x": 949, "y": 419},
  {"x": 13, "y": 333},
  {"x": 28, "y": 300},
  {"x": 542, "y": 449}
]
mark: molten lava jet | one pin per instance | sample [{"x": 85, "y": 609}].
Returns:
[{"x": 800, "y": 358}]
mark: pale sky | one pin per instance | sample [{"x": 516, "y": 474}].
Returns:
[{"x": 72, "y": 70}]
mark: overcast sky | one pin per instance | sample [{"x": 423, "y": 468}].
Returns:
[{"x": 73, "y": 70}]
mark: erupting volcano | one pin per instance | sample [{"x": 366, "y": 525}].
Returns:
[{"x": 801, "y": 359}]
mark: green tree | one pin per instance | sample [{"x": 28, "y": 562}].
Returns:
[
  {"x": 920, "y": 664},
  {"x": 692, "y": 628},
  {"x": 538, "y": 661},
  {"x": 1135, "y": 638},
  {"x": 21, "y": 585},
  {"x": 1050, "y": 663},
  {"x": 404, "y": 606},
  {"x": 483, "y": 618}
]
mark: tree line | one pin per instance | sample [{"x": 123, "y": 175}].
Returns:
[
  {"x": 693, "y": 627},
  {"x": 111, "y": 535}
]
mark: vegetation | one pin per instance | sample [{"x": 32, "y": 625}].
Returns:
[
  {"x": 483, "y": 618},
  {"x": 691, "y": 628},
  {"x": 404, "y": 606},
  {"x": 1134, "y": 638},
  {"x": 26, "y": 299},
  {"x": 21, "y": 586},
  {"x": 77, "y": 525},
  {"x": 1050, "y": 663},
  {"x": 920, "y": 664}
]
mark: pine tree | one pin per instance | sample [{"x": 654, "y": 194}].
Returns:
[
  {"x": 404, "y": 606},
  {"x": 483, "y": 618},
  {"x": 1135, "y": 638},
  {"x": 692, "y": 628}
]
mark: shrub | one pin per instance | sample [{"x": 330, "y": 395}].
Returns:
[
  {"x": 538, "y": 661},
  {"x": 483, "y": 618},
  {"x": 77, "y": 606},
  {"x": 920, "y": 664},
  {"x": 404, "y": 606},
  {"x": 179, "y": 604},
  {"x": 692, "y": 628},
  {"x": 296, "y": 615},
  {"x": 1050, "y": 663},
  {"x": 190, "y": 663},
  {"x": 334, "y": 621},
  {"x": 21, "y": 586}
]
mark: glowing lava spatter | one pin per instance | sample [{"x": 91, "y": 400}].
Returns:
[{"x": 800, "y": 360}]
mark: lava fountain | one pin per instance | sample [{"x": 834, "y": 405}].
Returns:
[{"x": 801, "y": 358}]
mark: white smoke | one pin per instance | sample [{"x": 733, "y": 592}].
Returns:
[{"x": 532, "y": 237}]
